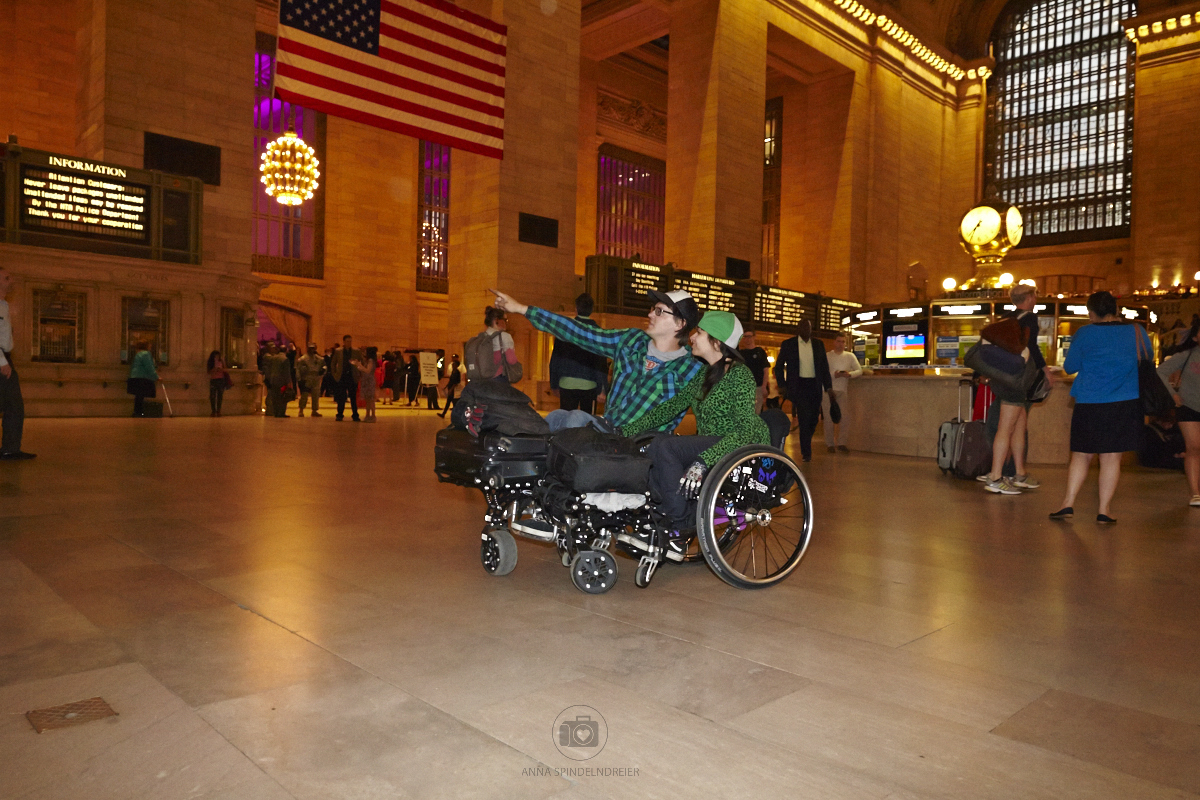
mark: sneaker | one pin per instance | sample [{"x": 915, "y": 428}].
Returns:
[
  {"x": 641, "y": 538},
  {"x": 984, "y": 478},
  {"x": 1195, "y": 501},
  {"x": 1001, "y": 486},
  {"x": 677, "y": 544},
  {"x": 1025, "y": 482}
]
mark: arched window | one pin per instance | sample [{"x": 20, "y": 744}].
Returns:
[{"x": 1060, "y": 118}]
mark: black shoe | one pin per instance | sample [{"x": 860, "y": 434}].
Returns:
[
  {"x": 17, "y": 455},
  {"x": 1104, "y": 519},
  {"x": 806, "y": 459},
  {"x": 338, "y": 417},
  {"x": 1063, "y": 513},
  {"x": 356, "y": 418},
  {"x": 678, "y": 543}
]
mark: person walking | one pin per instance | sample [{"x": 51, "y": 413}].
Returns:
[
  {"x": 12, "y": 403},
  {"x": 389, "y": 378},
  {"x": 756, "y": 359},
  {"x": 802, "y": 371},
  {"x": 218, "y": 380},
  {"x": 649, "y": 366},
  {"x": 1186, "y": 364},
  {"x": 142, "y": 377},
  {"x": 366, "y": 381},
  {"x": 277, "y": 380},
  {"x": 1107, "y": 419},
  {"x": 577, "y": 376},
  {"x": 345, "y": 382},
  {"x": 453, "y": 381},
  {"x": 310, "y": 372},
  {"x": 843, "y": 365},
  {"x": 413, "y": 377}
]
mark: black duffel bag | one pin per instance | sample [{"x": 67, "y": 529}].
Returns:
[
  {"x": 494, "y": 405},
  {"x": 590, "y": 461}
]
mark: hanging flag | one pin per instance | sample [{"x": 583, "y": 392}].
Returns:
[{"x": 424, "y": 68}]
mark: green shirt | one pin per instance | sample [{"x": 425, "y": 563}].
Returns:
[{"x": 727, "y": 411}]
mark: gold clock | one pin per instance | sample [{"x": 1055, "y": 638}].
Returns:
[{"x": 988, "y": 231}]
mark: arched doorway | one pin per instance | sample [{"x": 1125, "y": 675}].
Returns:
[{"x": 283, "y": 325}]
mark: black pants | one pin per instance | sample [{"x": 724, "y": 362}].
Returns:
[
  {"x": 805, "y": 395},
  {"x": 431, "y": 398},
  {"x": 582, "y": 399},
  {"x": 670, "y": 458},
  {"x": 449, "y": 399},
  {"x": 216, "y": 393},
  {"x": 138, "y": 400},
  {"x": 343, "y": 390},
  {"x": 12, "y": 405},
  {"x": 413, "y": 385}
]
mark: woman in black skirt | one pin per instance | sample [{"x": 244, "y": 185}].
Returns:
[{"x": 1108, "y": 412}]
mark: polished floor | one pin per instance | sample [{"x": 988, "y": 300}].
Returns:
[{"x": 295, "y": 608}]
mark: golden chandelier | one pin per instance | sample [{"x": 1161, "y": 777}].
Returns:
[{"x": 289, "y": 169}]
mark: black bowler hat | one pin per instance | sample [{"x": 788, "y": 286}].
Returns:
[{"x": 681, "y": 304}]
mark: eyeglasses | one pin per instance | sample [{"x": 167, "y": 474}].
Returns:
[{"x": 659, "y": 311}]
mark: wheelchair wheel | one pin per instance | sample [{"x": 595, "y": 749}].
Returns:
[
  {"x": 754, "y": 517},
  {"x": 593, "y": 571},
  {"x": 498, "y": 551}
]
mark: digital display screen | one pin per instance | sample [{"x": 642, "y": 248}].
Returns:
[
  {"x": 905, "y": 345},
  {"x": 783, "y": 308},
  {"x": 77, "y": 202},
  {"x": 712, "y": 293}
]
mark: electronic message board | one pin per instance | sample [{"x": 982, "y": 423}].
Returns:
[
  {"x": 84, "y": 203},
  {"x": 782, "y": 309},
  {"x": 712, "y": 293}
]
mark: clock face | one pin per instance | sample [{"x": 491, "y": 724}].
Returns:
[
  {"x": 1015, "y": 225},
  {"x": 981, "y": 225}
]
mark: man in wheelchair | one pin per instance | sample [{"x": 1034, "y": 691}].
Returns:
[
  {"x": 648, "y": 366},
  {"x": 722, "y": 397}
]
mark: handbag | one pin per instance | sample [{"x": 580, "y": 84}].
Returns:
[
  {"x": 228, "y": 381},
  {"x": 1156, "y": 399},
  {"x": 1039, "y": 390},
  {"x": 1007, "y": 333},
  {"x": 835, "y": 411},
  {"x": 288, "y": 392}
]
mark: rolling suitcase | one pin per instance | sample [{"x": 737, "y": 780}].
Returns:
[
  {"x": 963, "y": 446},
  {"x": 491, "y": 459}
]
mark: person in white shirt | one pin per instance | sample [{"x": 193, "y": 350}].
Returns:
[
  {"x": 12, "y": 405},
  {"x": 843, "y": 365}
]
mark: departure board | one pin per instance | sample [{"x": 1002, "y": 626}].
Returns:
[
  {"x": 782, "y": 309},
  {"x": 716, "y": 294},
  {"x": 84, "y": 203},
  {"x": 832, "y": 311}
]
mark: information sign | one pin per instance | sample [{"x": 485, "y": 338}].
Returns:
[
  {"x": 77, "y": 202},
  {"x": 947, "y": 347},
  {"x": 783, "y": 308},
  {"x": 429, "y": 367},
  {"x": 712, "y": 293}
]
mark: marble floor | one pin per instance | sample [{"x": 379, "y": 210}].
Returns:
[{"x": 296, "y": 609}]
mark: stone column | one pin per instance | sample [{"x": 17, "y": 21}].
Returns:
[{"x": 715, "y": 112}]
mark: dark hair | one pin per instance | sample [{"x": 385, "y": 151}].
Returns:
[
  {"x": 1102, "y": 304},
  {"x": 584, "y": 304},
  {"x": 491, "y": 314},
  {"x": 1190, "y": 341},
  {"x": 212, "y": 359},
  {"x": 141, "y": 346},
  {"x": 729, "y": 357},
  {"x": 344, "y": 338},
  {"x": 372, "y": 352}
]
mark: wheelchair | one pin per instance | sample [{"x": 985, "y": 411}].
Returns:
[{"x": 754, "y": 513}]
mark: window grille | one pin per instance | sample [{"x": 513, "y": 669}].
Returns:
[
  {"x": 1060, "y": 118},
  {"x": 631, "y": 199},
  {"x": 233, "y": 337},
  {"x": 146, "y": 320},
  {"x": 433, "y": 214},
  {"x": 772, "y": 160},
  {"x": 288, "y": 240},
  {"x": 59, "y": 327}
]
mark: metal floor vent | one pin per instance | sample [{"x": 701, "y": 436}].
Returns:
[{"x": 64, "y": 716}]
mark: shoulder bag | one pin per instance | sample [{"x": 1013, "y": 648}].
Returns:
[{"x": 1156, "y": 399}]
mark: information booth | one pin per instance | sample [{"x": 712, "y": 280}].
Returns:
[
  {"x": 865, "y": 326},
  {"x": 905, "y": 336},
  {"x": 1046, "y": 326},
  {"x": 956, "y": 327}
]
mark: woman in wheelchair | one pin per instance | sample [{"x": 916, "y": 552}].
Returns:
[{"x": 722, "y": 398}]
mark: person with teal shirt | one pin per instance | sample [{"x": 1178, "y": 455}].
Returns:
[{"x": 142, "y": 377}]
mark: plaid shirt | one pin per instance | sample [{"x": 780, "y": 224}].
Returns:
[{"x": 640, "y": 381}]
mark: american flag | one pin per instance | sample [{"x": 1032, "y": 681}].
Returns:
[{"x": 424, "y": 68}]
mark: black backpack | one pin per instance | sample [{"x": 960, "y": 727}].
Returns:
[{"x": 494, "y": 405}]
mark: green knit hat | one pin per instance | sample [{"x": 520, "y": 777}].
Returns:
[{"x": 722, "y": 325}]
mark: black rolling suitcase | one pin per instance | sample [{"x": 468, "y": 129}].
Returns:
[
  {"x": 492, "y": 458},
  {"x": 963, "y": 446}
]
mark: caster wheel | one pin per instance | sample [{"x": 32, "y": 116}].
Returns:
[
  {"x": 565, "y": 557},
  {"x": 593, "y": 571},
  {"x": 498, "y": 551},
  {"x": 645, "y": 572}
]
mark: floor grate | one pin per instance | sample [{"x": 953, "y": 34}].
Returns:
[{"x": 64, "y": 716}]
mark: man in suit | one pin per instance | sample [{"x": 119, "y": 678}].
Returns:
[
  {"x": 345, "y": 382},
  {"x": 802, "y": 372}
]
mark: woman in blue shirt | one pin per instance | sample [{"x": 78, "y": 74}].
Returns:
[{"x": 1108, "y": 414}]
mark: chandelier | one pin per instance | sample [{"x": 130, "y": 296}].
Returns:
[{"x": 289, "y": 169}]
